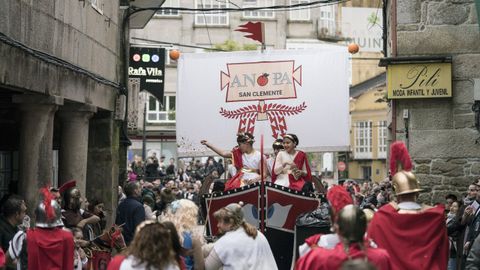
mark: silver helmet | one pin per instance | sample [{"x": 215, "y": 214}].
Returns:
[{"x": 41, "y": 218}]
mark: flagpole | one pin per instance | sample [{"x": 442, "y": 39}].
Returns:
[{"x": 263, "y": 38}]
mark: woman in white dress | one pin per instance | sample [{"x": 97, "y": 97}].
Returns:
[
  {"x": 246, "y": 160},
  {"x": 241, "y": 246},
  {"x": 277, "y": 146},
  {"x": 291, "y": 166}
]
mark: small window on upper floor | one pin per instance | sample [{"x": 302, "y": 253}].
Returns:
[
  {"x": 211, "y": 18},
  {"x": 97, "y": 5},
  {"x": 299, "y": 13},
  {"x": 258, "y": 14},
  {"x": 169, "y": 12}
]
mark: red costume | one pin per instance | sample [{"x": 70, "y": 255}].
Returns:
[
  {"x": 297, "y": 184},
  {"x": 50, "y": 249},
  {"x": 236, "y": 180},
  {"x": 246, "y": 170},
  {"x": 332, "y": 259},
  {"x": 417, "y": 241}
]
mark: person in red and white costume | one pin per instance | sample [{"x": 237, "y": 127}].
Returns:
[
  {"x": 338, "y": 197},
  {"x": 351, "y": 226},
  {"x": 48, "y": 245},
  {"x": 415, "y": 233},
  {"x": 247, "y": 161},
  {"x": 291, "y": 165}
]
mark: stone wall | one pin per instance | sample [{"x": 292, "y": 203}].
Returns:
[
  {"x": 440, "y": 176},
  {"x": 71, "y": 30},
  {"x": 441, "y": 131}
]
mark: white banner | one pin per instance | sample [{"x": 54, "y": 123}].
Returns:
[{"x": 304, "y": 92}]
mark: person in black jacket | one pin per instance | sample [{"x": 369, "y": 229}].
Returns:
[{"x": 130, "y": 212}]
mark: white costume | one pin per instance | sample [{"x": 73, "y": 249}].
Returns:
[
  {"x": 282, "y": 173},
  {"x": 251, "y": 165},
  {"x": 237, "y": 250}
]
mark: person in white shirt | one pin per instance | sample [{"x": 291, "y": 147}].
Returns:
[{"x": 241, "y": 246}]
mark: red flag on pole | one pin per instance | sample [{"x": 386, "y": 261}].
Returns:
[{"x": 255, "y": 30}]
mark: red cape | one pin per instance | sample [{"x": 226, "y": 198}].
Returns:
[
  {"x": 50, "y": 249},
  {"x": 236, "y": 180},
  {"x": 414, "y": 241},
  {"x": 332, "y": 259}
]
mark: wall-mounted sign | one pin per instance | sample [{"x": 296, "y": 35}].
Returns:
[
  {"x": 148, "y": 65},
  {"x": 421, "y": 80}
]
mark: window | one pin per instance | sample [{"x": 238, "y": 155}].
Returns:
[
  {"x": 169, "y": 3},
  {"x": 98, "y": 6},
  {"x": 300, "y": 13},
  {"x": 367, "y": 173},
  {"x": 161, "y": 113},
  {"x": 363, "y": 140},
  {"x": 327, "y": 21},
  {"x": 8, "y": 170},
  {"x": 207, "y": 18},
  {"x": 258, "y": 13},
  {"x": 382, "y": 139}
]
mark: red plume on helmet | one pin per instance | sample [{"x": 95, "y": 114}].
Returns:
[
  {"x": 47, "y": 202},
  {"x": 66, "y": 186},
  {"x": 338, "y": 197},
  {"x": 399, "y": 158}
]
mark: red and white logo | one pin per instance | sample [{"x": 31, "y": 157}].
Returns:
[{"x": 261, "y": 81}]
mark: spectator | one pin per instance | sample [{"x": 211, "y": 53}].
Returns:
[
  {"x": 80, "y": 259},
  {"x": 97, "y": 207},
  {"x": 149, "y": 204},
  {"x": 130, "y": 212},
  {"x": 170, "y": 171},
  {"x": 137, "y": 167},
  {"x": 454, "y": 230},
  {"x": 121, "y": 195},
  {"x": 241, "y": 243},
  {"x": 182, "y": 176},
  {"x": 449, "y": 199},
  {"x": 210, "y": 166},
  {"x": 151, "y": 170},
  {"x": 176, "y": 246},
  {"x": 184, "y": 214},
  {"x": 220, "y": 168},
  {"x": 151, "y": 248},
  {"x": 13, "y": 213},
  {"x": 72, "y": 215}
]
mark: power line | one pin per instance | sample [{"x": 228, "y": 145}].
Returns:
[
  {"x": 206, "y": 25},
  {"x": 177, "y": 44},
  {"x": 276, "y": 7}
]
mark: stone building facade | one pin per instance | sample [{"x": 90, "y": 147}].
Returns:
[
  {"x": 441, "y": 132},
  {"x": 60, "y": 74}
]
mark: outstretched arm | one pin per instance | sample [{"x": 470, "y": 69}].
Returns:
[{"x": 219, "y": 151}]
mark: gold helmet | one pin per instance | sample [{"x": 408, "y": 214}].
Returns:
[{"x": 403, "y": 180}]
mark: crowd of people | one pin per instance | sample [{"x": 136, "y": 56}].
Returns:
[{"x": 373, "y": 225}]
